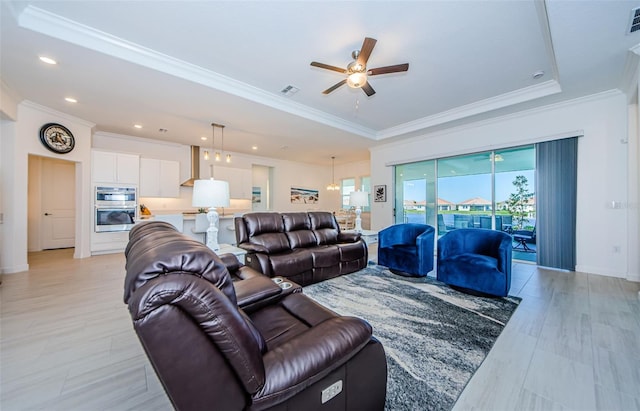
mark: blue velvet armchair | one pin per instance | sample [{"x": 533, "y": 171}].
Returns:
[
  {"x": 476, "y": 260},
  {"x": 407, "y": 249}
]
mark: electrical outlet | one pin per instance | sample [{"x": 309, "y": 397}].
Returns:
[{"x": 331, "y": 391}]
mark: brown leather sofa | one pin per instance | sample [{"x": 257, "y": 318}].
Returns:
[
  {"x": 305, "y": 247},
  {"x": 281, "y": 351}
]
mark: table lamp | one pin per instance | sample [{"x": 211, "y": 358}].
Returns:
[
  {"x": 358, "y": 199},
  {"x": 211, "y": 193}
]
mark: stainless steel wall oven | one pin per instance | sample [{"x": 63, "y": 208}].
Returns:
[{"x": 116, "y": 208}]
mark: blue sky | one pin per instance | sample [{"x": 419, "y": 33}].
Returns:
[{"x": 459, "y": 189}]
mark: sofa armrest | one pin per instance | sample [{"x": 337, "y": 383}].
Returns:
[
  {"x": 309, "y": 357},
  {"x": 230, "y": 261},
  {"x": 255, "y": 292},
  {"x": 348, "y": 237},
  {"x": 254, "y": 248}
]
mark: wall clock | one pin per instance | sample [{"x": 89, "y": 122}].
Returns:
[{"x": 57, "y": 138}]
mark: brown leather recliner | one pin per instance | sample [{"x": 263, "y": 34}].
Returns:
[
  {"x": 305, "y": 247},
  {"x": 282, "y": 351}
]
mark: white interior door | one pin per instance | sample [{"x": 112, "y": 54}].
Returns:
[{"x": 58, "y": 204}]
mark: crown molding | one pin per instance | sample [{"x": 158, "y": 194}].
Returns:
[
  {"x": 515, "y": 97},
  {"x": 50, "y": 24},
  {"x": 496, "y": 120}
]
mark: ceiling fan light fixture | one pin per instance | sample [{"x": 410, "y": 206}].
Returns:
[{"x": 357, "y": 79}]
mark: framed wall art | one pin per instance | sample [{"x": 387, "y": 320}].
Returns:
[
  {"x": 303, "y": 196},
  {"x": 256, "y": 195},
  {"x": 380, "y": 193}
]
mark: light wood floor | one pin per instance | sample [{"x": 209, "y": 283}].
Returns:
[{"x": 67, "y": 343}]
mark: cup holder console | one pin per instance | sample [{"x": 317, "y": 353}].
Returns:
[{"x": 285, "y": 285}]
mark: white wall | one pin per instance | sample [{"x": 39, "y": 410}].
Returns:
[
  {"x": 19, "y": 139},
  {"x": 603, "y": 168},
  {"x": 633, "y": 209}
]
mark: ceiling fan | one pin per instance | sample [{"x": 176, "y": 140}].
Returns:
[{"x": 357, "y": 72}]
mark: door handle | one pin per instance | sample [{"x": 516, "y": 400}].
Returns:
[{"x": 47, "y": 214}]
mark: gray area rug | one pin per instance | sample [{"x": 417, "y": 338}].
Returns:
[{"x": 434, "y": 337}]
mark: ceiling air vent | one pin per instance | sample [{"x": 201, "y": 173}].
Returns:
[
  {"x": 289, "y": 90},
  {"x": 634, "y": 21}
]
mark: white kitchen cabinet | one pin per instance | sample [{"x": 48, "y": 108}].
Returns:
[
  {"x": 108, "y": 242},
  {"x": 110, "y": 167},
  {"x": 159, "y": 178},
  {"x": 239, "y": 179}
]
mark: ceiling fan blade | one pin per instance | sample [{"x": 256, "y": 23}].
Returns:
[
  {"x": 369, "y": 91},
  {"x": 335, "y": 86},
  {"x": 388, "y": 69},
  {"x": 328, "y": 67},
  {"x": 365, "y": 51}
]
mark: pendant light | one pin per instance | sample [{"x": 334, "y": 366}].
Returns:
[
  {"x": 218, "y": 156},
  {"x": 228, "y": 156},
  {"x": 333, "y": 186}
]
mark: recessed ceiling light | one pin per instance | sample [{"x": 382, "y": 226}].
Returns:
[
  {"x": 137, "y": 126},
  {"x": 538, "y": 74},
  {"x": 254, "y": 147},
  {"x": 203, "y": 138},
  {"x": 70, "y": 100},
  {"x": 48, "y": 60}
]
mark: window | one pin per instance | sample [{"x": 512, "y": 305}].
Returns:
[
  {"x": 365, "y": 185},
  {"x": 415, "y": 193},
  {"x": 347, "y": 185}
]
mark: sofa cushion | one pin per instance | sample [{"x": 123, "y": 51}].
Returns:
[
  {"x": 298, "y": 230},
  {"x": 292, "y": 262},
  {"x": 270, "y": 243},
  {"x": 296, "y": 221},
  {"x": 301, "y": 239},
  {"x": 325, "y": 256},
  {"x": 259, "y": 223},
  {"x": 324, "y": 227},
  {"x": 352, "y": 251}
]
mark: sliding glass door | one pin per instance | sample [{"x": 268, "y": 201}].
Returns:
[
  {"x": 415, "y": 193},
  {"x": 492, "y": 190},
  {"x": 465, "y": 197}
]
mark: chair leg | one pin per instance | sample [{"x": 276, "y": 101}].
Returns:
[{"x": 522, "y": 242}]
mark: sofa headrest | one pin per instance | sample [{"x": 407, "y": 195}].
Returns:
[
  {"x": 324, "y": 226},
  {"x": 154, "y": 250},
  {"x": 296, "y": 221},
  {"x": 261, "y": 223},
  {"x": 298, "y": 230},
  {"x": 322, "y": 219}
]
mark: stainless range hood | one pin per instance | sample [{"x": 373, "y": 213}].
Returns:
[{"x": 195, "y": 167}]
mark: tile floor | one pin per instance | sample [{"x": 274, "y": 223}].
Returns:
[{"x": 67, "y": 342}]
